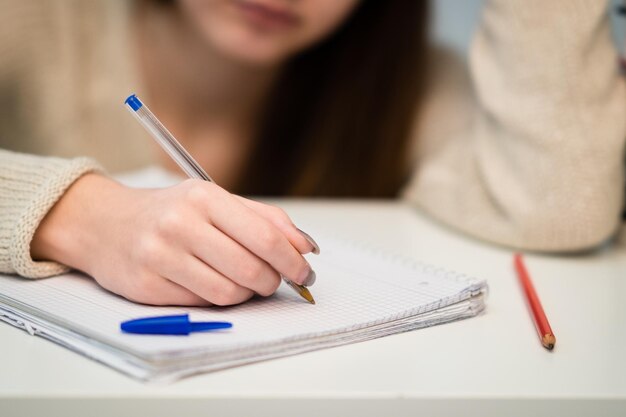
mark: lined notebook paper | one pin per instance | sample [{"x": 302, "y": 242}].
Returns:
[{"x": 361, "y": 294}]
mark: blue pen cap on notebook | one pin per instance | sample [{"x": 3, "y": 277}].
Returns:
[
  {"x": 133, "y": 102},
  {"x": 170, "y": 325}
]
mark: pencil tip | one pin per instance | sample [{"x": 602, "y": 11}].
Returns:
[{"x": 548, "y": 341}]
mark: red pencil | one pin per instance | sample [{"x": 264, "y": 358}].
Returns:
[{"x": 541, "y": 321}]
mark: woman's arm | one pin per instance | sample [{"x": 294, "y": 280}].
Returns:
[
  {"x": 192, "y": 244},
  {"x": 532, "y": 155},
  {"x": 29, "y": 187}
]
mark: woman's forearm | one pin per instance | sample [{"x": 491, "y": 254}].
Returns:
[
  {"x": 70, "y": 231},
  {"x": 191, "y": 244},
  {"x": 29, "y": 187},
  {"x": 539, "y": 164}
]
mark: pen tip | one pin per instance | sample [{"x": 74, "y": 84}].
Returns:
[
  {"x": 301, "y": 290},
  {"x": 306, "y": 294}
]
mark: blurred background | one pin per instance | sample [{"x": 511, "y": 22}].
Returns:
[
  {"x": 455, "y": 21},
  {"x": 90, "y": 81}
]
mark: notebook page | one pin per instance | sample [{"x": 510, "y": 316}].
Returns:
[{"x": 355, "y": 289}]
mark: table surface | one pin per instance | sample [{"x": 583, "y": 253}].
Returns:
[{"x": 486, "y": 365}]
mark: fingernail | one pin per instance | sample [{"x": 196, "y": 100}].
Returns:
[
  {"x": 308, "y": 277},
  {"x": 316, "y": 248}
]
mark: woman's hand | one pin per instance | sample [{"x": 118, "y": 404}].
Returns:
[{"x": 192, "y": 244}]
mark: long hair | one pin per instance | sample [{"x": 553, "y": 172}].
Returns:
[{"x": 338, "y": 122}]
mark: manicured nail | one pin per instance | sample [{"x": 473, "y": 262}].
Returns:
[
  {"x": 316, "y": 248},
  {"x": 308, "y": 277}
]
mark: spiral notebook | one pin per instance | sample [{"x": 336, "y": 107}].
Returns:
[{"x": 361, "y": 294}]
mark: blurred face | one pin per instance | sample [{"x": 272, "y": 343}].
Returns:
[{"x": 265, "y": 32}]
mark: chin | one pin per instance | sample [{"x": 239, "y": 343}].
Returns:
[
  {"x": 254, "y": 32},
  {"x": 254, "y": 55},
  {"x": 257, "y": 49}
]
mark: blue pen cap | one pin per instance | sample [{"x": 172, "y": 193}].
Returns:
[
  {"x": 171, "y": 325},
  {"x": 133, "y": 102},
  {"x": 178, "y": 324}
]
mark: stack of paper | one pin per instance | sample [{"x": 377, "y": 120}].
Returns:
[{"x": 361, "y": 294}]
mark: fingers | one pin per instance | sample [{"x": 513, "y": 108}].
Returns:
[
  {"x": 200, "y": 245},
  {"x": 262, "y": 238},
  {"x": 155, "y": 290},
  {"x": 233, "y": 260},
  {"x": 277, "y": 216},
  {"x": 204, "y": 281},
  {"x": 197, "y": 244}
]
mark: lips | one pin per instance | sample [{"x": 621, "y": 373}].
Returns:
[{"x": 267, "y": 16}]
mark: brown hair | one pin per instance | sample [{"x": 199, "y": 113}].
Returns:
[{"x": 339, "y": 121}]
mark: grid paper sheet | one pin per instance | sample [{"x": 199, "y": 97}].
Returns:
[{"x": 358, "y": 290}]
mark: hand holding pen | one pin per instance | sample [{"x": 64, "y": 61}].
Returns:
[
  {"x": 194, "y": 244},
  {"x": 268, "y": 239}
]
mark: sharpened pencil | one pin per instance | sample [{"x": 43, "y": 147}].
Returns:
[{"x": 546, "y": 336}]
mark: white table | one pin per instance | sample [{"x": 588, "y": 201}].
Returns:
[{"x": 489, "y": 365}]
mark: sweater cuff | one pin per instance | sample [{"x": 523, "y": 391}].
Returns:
[{"x": 36, "y": 189}]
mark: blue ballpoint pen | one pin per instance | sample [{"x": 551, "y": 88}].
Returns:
[
  {"x": 186, "y": 162},
  {"x": 171, "y": 325}
]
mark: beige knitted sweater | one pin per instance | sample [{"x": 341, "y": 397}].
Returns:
[{"x": 525, "y": 149}]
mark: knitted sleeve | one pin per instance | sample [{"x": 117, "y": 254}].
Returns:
[
  {"x": 29, "y": 187},
  {"x": 536, "y": 160}
]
